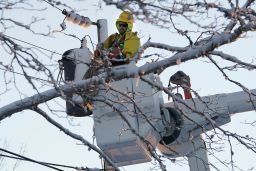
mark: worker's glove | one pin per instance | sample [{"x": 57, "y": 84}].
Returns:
[
  {"x": 98, "y": 51},
  {"x": 115, "y": 53},
  {"x": 97, "y": 54}
]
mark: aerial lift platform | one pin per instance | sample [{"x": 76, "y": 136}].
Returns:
[{"x": 131, "y": 119}]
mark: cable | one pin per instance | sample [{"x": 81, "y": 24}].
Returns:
[
  {"x": 90, "y": 42},
  {"x": 31, "y": 160},
  {"x": 38, "y": 162},
  {"x": 32, "y": 44},
  {"x": 53, "y": 164},
  {"x": 36, "y": 78},
  {"x": 83, "y": 20},
  {"x": 52, "y": 5}
]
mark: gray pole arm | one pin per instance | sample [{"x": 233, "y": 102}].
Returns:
[{"x": 241, "y": 101}]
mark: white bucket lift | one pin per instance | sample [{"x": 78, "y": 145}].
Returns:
[
  {"x": 137, "y": 104},
  {"x": 174, "y": 134}
]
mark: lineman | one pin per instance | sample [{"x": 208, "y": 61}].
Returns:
[{"x": 123, "y": 45}]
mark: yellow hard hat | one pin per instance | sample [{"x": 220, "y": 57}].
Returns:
[{"x": 126, "y": 17}]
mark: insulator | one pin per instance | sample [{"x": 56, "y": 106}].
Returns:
[
  {"x": 84, "y": 42},
  {"x": 77, "y": 19},
  {"x": 70, "y": 16},
  {"x": 85, "y": 22}
]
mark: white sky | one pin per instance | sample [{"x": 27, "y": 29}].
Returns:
[{"x": 41, "y": 141}]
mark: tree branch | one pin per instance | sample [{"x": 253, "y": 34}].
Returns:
[{"x": 75, "y": 136}]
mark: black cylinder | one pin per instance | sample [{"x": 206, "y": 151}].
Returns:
[
  {"x": 177, "y": 119},
  {"x": 72, "y": 108}
]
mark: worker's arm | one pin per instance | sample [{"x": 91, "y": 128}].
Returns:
[
  {"x": 109, "y": 41},
  {"x": 105, "y": 45},
  {"x": 131, "y": 46}
]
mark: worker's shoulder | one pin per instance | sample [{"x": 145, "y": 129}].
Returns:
[
  {"x": 132, "y": 35},
  {"x": 113, "y": 35}
]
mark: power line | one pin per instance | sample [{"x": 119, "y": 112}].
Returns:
[
  {"x": 52, "y": 5},
  {"x": 85, "y": 20},
  {"x": 31, "y": 160},
  {"x": 42, "y": 47},
  {"x": 32, "y": 44},
  {"x": 36, "y": 78},
  {"x": 53, "y": 164},
  {"x": 20, "y": 157}
]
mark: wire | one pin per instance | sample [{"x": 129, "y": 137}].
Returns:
[
  {"x": 53, "y": 164},
  {"x": 32, "y": 44},
  {"x": 38, "y": 162},
  {"x": 90, "y": 42},
  {"x": 36, "y": 78},
  {"x": 64, "y": 11},
  {"x": 31, "y": 160},
  {"x": 52, "y": 5}
]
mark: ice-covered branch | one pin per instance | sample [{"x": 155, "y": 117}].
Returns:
[
  {"x": 233, "y": 59},
  {"x": 133, "y": 71},
  {"x": 45, "y": 96},
  {"x": 75, "y": 136},
  {"x": 149, "y": 44},
  {"x": 197, "y": 51}
]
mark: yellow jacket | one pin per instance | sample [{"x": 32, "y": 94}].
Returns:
[{"x": 131, "y": 43}]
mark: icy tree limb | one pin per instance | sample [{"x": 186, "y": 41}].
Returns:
[
  {"x": 75, "y": 136},
  {"x": 232, "y": 59},
  {"x": 196, "y": 51},
  {"x": 157, "y": 45},
  {"x": 129, "y": 71},
  {"x": 45, "y": 96}
]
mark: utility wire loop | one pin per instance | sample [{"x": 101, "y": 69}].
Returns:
[{"x": 52, "y": 4}]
